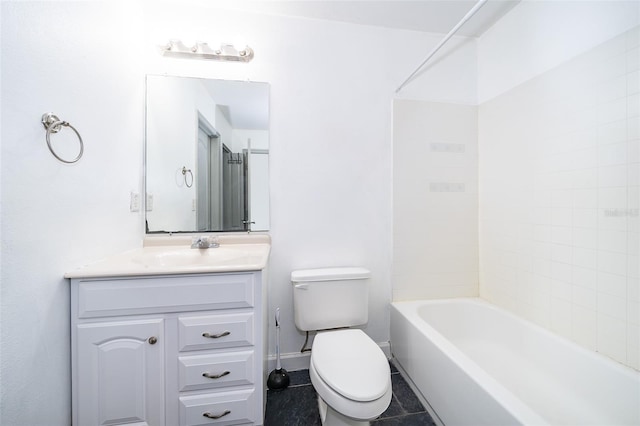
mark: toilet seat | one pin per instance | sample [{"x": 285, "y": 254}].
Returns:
[
  {"x": 351, "y": 373},
  {"x": 351, "y": 364}
]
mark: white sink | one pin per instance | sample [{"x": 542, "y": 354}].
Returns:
[{"x": 174, "y": 255}]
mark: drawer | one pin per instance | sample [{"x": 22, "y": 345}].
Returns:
[
  {"x": 212, "y": 371},
  {"x": 145, "y": 295},
  {"x": 230, "y": 408},
  {"x": 215, "y": 331}
]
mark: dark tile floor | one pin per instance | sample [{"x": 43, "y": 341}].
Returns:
[{"x": 298, "y": 405}]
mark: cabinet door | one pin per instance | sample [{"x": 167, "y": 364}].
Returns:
[{"x": 121, "y": 373}]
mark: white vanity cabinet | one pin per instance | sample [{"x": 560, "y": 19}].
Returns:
[{"x": 168, "y": 349}]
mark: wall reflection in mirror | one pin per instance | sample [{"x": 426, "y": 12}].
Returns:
[{"x": 207, "y": 149}]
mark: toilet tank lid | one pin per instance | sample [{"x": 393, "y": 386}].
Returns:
[{"x": 330, "y": 274}]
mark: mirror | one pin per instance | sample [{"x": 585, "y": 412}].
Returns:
[{"x": 207, "y": 155}]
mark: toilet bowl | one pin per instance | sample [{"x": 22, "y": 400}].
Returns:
[
  {"x": 348, "y": 370},
  {"x": 351, "y": 375}
]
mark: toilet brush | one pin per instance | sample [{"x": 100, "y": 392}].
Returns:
[{"x": 278, "y": 378}]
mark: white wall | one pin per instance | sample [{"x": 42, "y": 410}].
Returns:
[
  {"x": 259, "y": 139},
  {"x": 451, "y": 76},
  {"x": 330, "y": 157},
  {"x": 435, "y": 232},
  {"x": 78, "y": 60},
  {"x": 535, "y": 36},
  {"x": 559, "y": 184},
  {"x": 435, "y": 200}
]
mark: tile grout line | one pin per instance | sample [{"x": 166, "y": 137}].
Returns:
[
  {"x": 404, "y": 413},
  {"x": 398, "y": 416}
]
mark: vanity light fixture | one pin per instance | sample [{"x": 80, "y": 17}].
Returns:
[{"x": 226, "y": 52}]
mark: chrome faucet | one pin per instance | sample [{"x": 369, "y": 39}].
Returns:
[{"x": 204, "y": 242}]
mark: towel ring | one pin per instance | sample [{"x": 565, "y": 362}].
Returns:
[
  {"x": 184, "y": 173},
  {"x": 53, "y": 125}
]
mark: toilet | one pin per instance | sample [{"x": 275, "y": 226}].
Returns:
[{"x": 348, "y": 370}]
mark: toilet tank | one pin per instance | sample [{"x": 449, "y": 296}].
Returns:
[{"x": 330, "y": 297}]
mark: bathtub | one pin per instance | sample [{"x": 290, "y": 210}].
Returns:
[{"x": 476, "y": 364}]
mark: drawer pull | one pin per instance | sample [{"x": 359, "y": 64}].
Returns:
[
  {"x": 215, "y": 376},
  {"x": 216, "y": 336},
  {"x": 214, "y": 416}
]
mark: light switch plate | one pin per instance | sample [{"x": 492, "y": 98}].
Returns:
[{"x": 134, "y": 205}]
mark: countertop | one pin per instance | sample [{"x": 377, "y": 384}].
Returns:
[{"x": 168, "y": 255}]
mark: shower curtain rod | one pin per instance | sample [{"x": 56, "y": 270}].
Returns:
[{"x": 446, "y": 38}]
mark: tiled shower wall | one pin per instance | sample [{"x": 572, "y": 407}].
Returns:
[{"x": 559, "y": 198}]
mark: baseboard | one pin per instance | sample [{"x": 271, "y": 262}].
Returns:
[
  {"x": 386, "y": 348},
  {"x": 294, "y": 361}
]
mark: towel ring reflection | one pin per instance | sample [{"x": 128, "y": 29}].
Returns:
[
  {"x": 184, "y": 173},
  {"x": 53, "y": 125}
]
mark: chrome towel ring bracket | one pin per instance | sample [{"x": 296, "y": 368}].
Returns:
[
  {"x": 53, "y": 124},
  {"x": 184, "y": 173}
]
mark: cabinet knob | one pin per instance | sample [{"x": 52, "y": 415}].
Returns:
[
  {"x": 153, "y": 340},
  {"x": 214, "y": 416},
  {"x": 216, "y": 336}
]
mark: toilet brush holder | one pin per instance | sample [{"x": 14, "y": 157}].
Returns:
[{"x": 278, "y": 378}]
